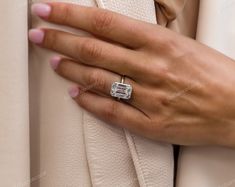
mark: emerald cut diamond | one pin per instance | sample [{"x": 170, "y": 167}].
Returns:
[{"x": 121, "y": 90}]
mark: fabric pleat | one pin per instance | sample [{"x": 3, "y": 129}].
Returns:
[{"x": 168, "y": 10}]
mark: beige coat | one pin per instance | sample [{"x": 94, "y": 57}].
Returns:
[{"x": 46, "y": 140}]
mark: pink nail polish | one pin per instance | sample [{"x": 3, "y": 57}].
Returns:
[
  {"x": 55, "y": 61},
  {"x": 74, "y": 92},
  {"x": 42, "y": 10},
  {"x": 36, "y": 36}
]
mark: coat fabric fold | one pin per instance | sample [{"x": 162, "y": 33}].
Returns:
[{"x": 167, "y": 11}]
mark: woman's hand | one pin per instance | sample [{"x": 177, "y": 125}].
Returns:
[{"x": 183, "y": 91}]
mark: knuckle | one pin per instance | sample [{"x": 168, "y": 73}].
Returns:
[
  {"x": 82, "y": 99},
  {"x": 90, "y": 50},
  {"x": 170, "y": 45},
  {"x": 159, "y": 100},
  {"x": 111, "y": 111},
  {"x": 96, "y": 80},
  {"x": 93, "y": 78},
  {"x": 100, "y": 83},
  {"x": 164, "y": 101},
  {"x": 65, "y": 15},
  {"x": 102, "y": 21},
  {"x": 63, "y": 68},
  {"x": 162, "y": 72},
  {"x": 50, "y": 40}
]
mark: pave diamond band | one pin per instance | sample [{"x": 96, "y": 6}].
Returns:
[{"x": 121, "y": 90}]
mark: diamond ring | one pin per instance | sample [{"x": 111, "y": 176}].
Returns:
[{"x": 121, "y": 90}]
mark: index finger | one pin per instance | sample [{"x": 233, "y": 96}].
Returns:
[{"x": 99, "y": 22}]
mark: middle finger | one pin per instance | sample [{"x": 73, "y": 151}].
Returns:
[{"x": 90, "y": 51}]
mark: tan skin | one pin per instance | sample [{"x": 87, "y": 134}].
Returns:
[{"x": 183, "y": 91}]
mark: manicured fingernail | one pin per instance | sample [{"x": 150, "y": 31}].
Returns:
[
  {"x": 74, "y": 92},
  {"x": 55, "y": 61},
  {"x": 42, "y": 10},
  {"x": 36, "y": 36}
]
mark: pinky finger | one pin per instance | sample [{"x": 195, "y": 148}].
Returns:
[{"x": 111, "y": 111}]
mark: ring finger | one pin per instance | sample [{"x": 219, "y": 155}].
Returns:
[{"x": 96, "y": 79}]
